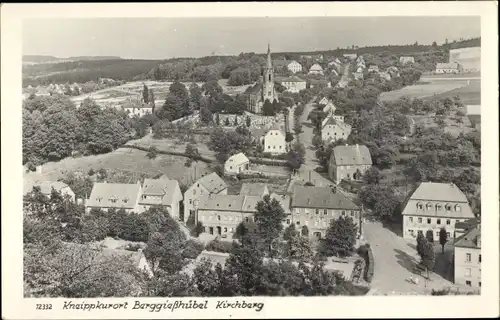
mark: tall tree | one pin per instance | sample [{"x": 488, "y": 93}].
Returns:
[
  {"x": 145, "y": 94},
  {"x": 269, "y": 219},
  {"x": 268, "y": 109},
  {"x": 428, "y": 256},
  {"x": 152, "y": 100},
  {"x": 340, "y": 237},
  {"x": 443, "y": 238},
  {"x": 248, "y": 121}
]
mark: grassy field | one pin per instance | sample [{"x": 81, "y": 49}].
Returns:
[
  {"x": 469, "y": 94},
  {"x": 128, "y": 160},
  {"x": 423, "y": 90},
  {"x": 176, "y": 145}
]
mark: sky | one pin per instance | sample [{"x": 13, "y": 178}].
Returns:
[{"x": 163, "y": 38}]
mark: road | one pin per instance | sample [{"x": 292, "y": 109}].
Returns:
[{"x": 395, "y": 259}]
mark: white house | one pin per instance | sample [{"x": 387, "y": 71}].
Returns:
[
  {"x": 294, "y": 67},
  {"x": 323, "y": 101},
  {"x": 452, "y": 67},
  {"x": 274, "y": 142},
  {"x": 385, "y": 75},
  {"x": 162, "y": 192},
  {"x": 236, "y": 163},
  {"x": 294, "y": 84},
  {"x": 117, "y": 196},
  {"x": 329, "y": 108},
  {"x": 47, "y": 186},
  {"x": 373, "y": 68},
  {"x": 316, "y": 69},
  {"x": 359, "y": 70},
  {"x": 358, "y": 75},
  {"x": 333, "y": 130},
  {"x": 350, "y": 56},
  {"x": 138, "y": 109},
  {"x": 406, "y": 59}
]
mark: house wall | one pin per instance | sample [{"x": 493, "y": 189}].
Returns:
[
  {"x": 274, "y": 142},
  {"x": 412, "y": 224},
  {"x": 317, "y": 221},
  {"x": 234, "y": 168},
  {"x": 333, "y": 133},
  {"x": 194, "y": 193},
  {"x": 337, "y": 173},
  {"x": 447, "y": 70},
  {"x": 467, "y": 273},
  {"x": 294, "y": 86},
  {"x": 295, "y": 67},
  {"x": 69, "y": 192},
  {"x": 227, "y": 221}
]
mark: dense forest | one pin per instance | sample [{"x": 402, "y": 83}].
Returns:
[{"x": 242, "y": 69}]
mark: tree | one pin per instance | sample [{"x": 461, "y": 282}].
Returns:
[
  {"x": 420, "y": 243},
  {"x": 269, "y": 219},
  {"x": 152, "y": 100},
  {"x": 288, "y": 137},
  {"x": 305, "y": 231},
  {"x": 195, "y": 95},
  {"x": 226, "y": 122},
  {"x": 268, "y": 109},
  {"x": 340, "y": 237},
  {"x": 294, "y": 160},
  {"x": 248, "y": 121},
  {"x": 290, "y": 232},
  {"x": 206, "y": 116},
  {"x": 235, "y": 123},
  {"x": 428, "y": 256},
  {"x": 299, "y": 248},
  {"x": 317, "y": 142},
  {"x": 152, "y": 153},
  {"x": 241, "y": 231},
  {"x": 244, "y": 269},
  {"x": 372, "y": 176},
  {"x": 443, "y": 238},
  {"x": 429, "y": 236},
  {"x": 191, "y": 151},
  {"x": 297, "y": 128},
  {"x": 217, "y": 119},
  {"x": 145, "y": 94}
]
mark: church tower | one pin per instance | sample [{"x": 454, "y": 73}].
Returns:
[{"x": 268, "y": 83}]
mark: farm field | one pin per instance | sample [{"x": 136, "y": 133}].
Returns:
[
  {"x": 469, "y": 95},
  {"x": 423, "y": 90},
  {"x": 124, "y": 159},
  {"x": 176, "y": 145}
]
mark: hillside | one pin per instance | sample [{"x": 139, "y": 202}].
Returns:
[{"x": 44, "y": 58}]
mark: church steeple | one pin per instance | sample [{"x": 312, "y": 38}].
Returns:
[
  {"x": 269, "y": 62},
  {"x": 268, "y": 92}
]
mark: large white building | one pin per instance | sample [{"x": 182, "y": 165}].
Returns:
[
  {"x": 105, "y": 196},
  {"x": 294, "y": 67},
  {"x": 433, "y": 206},
  {"x": 294, "y": 84},
  {"x": 316, "y": 69},
  {"x": 275, "y": 142},
  {"x": 333, "y": 129}
]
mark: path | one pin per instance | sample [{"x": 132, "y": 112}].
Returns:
[{"x": 395, "y": 259}]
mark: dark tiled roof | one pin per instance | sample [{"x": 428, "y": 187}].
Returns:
[
  {"x": 320, "y": 197},
  {"x": 471, "y": 239},
  {"x": 351, "y": 155}
]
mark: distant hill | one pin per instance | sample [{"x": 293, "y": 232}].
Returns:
[{"x": 45, "y": 59}]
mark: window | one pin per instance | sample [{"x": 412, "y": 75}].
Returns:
[
  {"x": 419, "y": 220},
  {"x": 447, "y": 207},
  {"x": 298, "y": 223},
  {"x": 429, "y": 220},
  {"x": 280, "y": 147},
  {"x": 411, "y": 232},
  {"x": 230, "y": 167},
  {"x": 447, "y": 235},
  {"x": 448, "y": 221},
  {"x": 269, "y": 147},
  {"x": 225, "y": 229},
  {"x": 438, "y": 221},
  {"x": 352, "y": 213},
  {"x": 457, "y": 207},
  {"x": 287, "y": 221},
  {"x": 325, "y": 212},
  {"x": 198, "y": 185},
  {"x": 429, "y": 206},
  {"x": 439, "y": 207},
  {"x": 218, "y": 218},
  {"x": 411, "y": 219},
  {"x": 479, "y": 259},
  {"x": 467, "y": 257},
  {"x": 190, "y": 201},
  {"x": 468, "y": 283},
  {"x": 246, "y": 219},
  {"x": 420, "y": 206},
  {"x": 343, "y": 213},
  {"x": 317, "y": 211}
]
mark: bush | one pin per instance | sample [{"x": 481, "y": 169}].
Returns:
[
  {"x": 192, "y": 249},
  {"x": 133, "y": 247},
  {"x": 366, "y": 252},
  {"x": 91, "y": 172},
  {"x": 152, "y": 153},
  {"x": 219, "y": 246}
]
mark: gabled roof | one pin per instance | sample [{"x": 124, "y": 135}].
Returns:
[
  {"x": 126, "y": 195},
  {"x": 329, "y": 106},
  {"x": 467, "y": 224},
  {"x": 434, "y": 191},
  {"x": 316, "y": 67},
  {"x": 293, "y": 79},
  {"x": 223, "y": 202},
  {"x": 45, "y": 186},
  {"x": 213, "y": 183},
  {"x": 238, "y": 158},
  {"x": 253, "y": 189},
  {"x": 163, "y": 187},
  {"x": 332, "y": 121},
  {"x": 320, "y": 197},
  {"x": 351, "y": 155},
  {"x": 471, "y": 239}
]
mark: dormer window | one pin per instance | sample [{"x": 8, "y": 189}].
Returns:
[
  {"x": 448, "y": 207},
  {"x": 420, "y": 206},
  {"x": 457, "y": 207},
  {"x": 99, "y": 199},
  {"x": 428, "y": 206},
  {"x": 125, "y": 200},
  {"x": 439, "y": 207}
]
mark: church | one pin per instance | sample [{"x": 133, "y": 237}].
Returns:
[{"x": 264, "y": 89}]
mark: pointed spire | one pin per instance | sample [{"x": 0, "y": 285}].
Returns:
[{"x": 269, "y": 62}]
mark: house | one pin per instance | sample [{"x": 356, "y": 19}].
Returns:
[
  {"x": 162, "y": 192},
  {"x": 406, "y": 59},
  {"x": 42, "y": 92},
  {"x": 46, "y": 188},
  {"x": 210, "y": 184},
  {"x": 256, "y": 95},
  {"x": 274, "y": 142},
  {"x": 293, "y": 84},
  {"x": 236, "y": 163},
  {"x": 349, "y": 162},
  {"x": 462, "y": 227},
  {"x": 117, "y": 196},
  {"x": 451, "y": 67},
  {"x": 358, "y": 75},
  {"x": 474, "y": 115},
  {"x": 433, "y": 206},
  {"x": 316, "y": 69},
  {"x": 373, "y": 68},
  {"x": 334, "y": 72},
  {"x": 350, "y": 56},
  {"x": 221, "y": 214},
  {"x": 335, "y": 64},
  {"x": 137, "y": 108},
  {"x": 323, "y": 101},
  {"x": 313, "y": 208},
  {"x": 329, "y": 108},
  {"x": 393, "y": 70},
  {"x": 359, "y": 70},
  {"x": 254, "y": 189},
  {"x": 361, "y": 65},
  {"x": 333, "y": 130},
  {"x": 385, "y": 75},
  {"x": 467, "y": 258},
  {"x": 294, "y": 66}
]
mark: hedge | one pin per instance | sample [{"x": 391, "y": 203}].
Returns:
[
  {"x": 366, "y": 252},
  {"x": 219, "y": 246},
  {"x": 172, "y": 153},
  {"x": 192, "y": 249}
]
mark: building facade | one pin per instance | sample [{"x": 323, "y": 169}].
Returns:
[
  {"x": 316, "y": 69},
  {"x": 162, "y": 192},
  {"x": 313, "y": 208},
  {"x": 406, "y": 59},
  {"x": 349, "y": 162},
  {"x": 452, "y": 67},
  {"x": 117, "y": 196},
  {"x": 294, "y": 84},
  {"x": 236, "y": 163},
  {"x": 294, "y": 67},
  {"x": 433, "y": 206},
  {"x": 467, "y": 259},
  {"x": 275, "y": 142},
  {"x": 333, "y": 130},
  {"x": 210, "y": 184}
]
